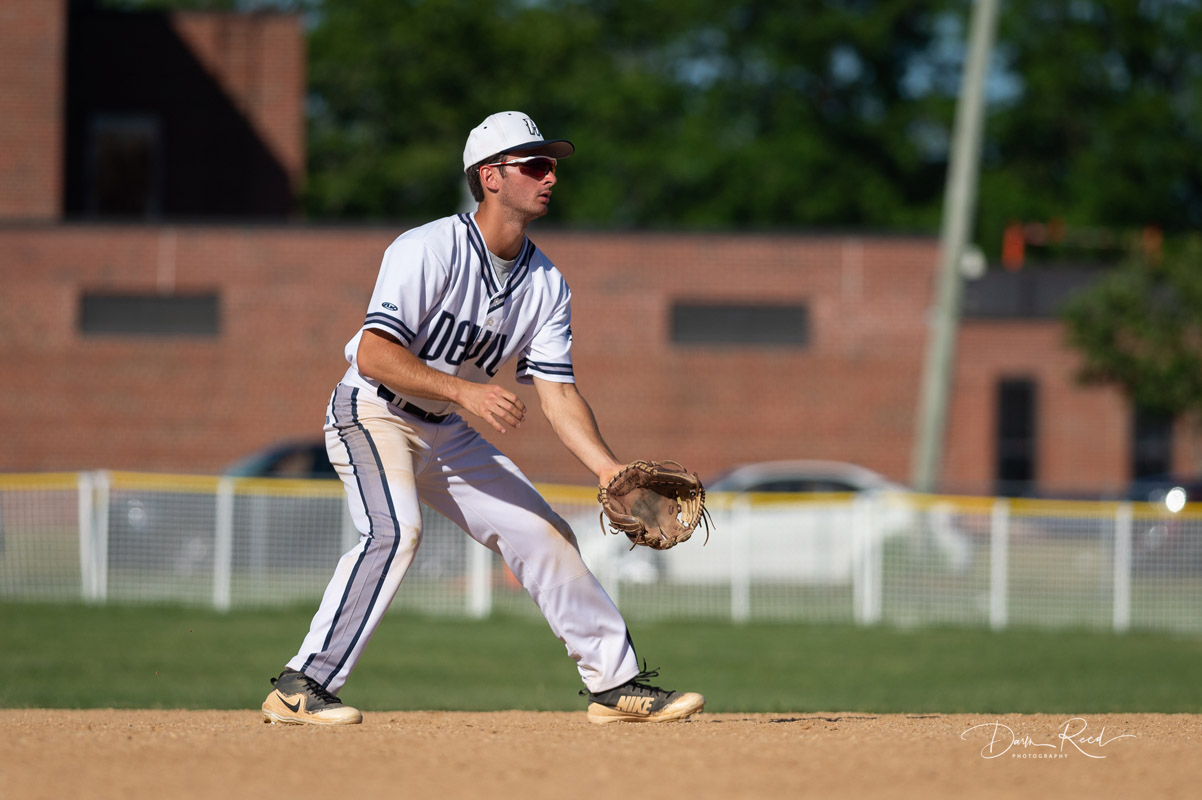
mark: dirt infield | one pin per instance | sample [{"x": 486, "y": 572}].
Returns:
[{"x": 231, "y": 755}]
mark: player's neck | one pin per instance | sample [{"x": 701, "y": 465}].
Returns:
[{"x": 503, "y": 235}]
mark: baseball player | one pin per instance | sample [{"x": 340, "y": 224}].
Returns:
[{"x": 456, "y": 299}]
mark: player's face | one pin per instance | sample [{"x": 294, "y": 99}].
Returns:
[{"x": 526, "y": 184}]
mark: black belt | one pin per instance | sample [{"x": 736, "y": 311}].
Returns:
[{"x": 408, "y": 407}]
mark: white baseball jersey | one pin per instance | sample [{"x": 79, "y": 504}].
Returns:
[{"x": 438, "y": 294}]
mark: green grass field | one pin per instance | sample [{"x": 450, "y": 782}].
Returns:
[{"x": 65, "y": 656}]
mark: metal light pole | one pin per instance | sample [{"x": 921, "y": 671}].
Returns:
[{"x": 959, "y": 206}]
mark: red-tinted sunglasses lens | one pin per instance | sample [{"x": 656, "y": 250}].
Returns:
[{"x": 537, "y": 167}]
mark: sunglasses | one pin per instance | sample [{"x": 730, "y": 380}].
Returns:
[{"x": 535, "y": 167}]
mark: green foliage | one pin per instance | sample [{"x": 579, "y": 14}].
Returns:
[
  {"x": 758, "y": 113},
  {"x": 765, "y": 114},
  {"x": 86, "y": 657},
  {"x": 1106, "y": 126},
  {"x": 1140, "y": 328},
  {"x": 693, "y": 113},
  {"x": 208, "y": 5}
]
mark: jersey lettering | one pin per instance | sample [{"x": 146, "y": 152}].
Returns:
[
  {"x": 462, "y": 341},
  {"x": 465, "y": 334},
  {"x": 496, "y": 349},
  {"x": 478, "y": 346},
  {"x": 439, "y": 336}
]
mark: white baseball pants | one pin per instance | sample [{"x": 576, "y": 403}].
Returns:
[{"x": 387, "y": 460}]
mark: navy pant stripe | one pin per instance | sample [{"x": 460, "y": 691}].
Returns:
[{"x": 360, "y": 448}]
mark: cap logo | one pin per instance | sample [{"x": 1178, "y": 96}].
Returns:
[{"x": 530, "y": 126}]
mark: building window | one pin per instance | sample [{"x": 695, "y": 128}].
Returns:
[
  {"x": 110, "y": 314},
  {"x": 1151, "y": 444},
  {"x": 1017, "y": 414},
  {"x": 773, "y": 324},
  {"x": 124, "y": 166}
]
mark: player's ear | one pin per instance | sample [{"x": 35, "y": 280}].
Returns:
[{"x": 490, "y": 178}]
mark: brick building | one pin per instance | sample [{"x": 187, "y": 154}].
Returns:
[{"x": 131, "y": 339}]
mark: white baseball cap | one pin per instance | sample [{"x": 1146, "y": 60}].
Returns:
[{"x": 510, "y": 132}]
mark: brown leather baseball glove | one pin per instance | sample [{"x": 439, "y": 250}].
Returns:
[{"x": 657, "y": 504}]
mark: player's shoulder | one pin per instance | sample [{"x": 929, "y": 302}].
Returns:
[
  {"x": 539, "y": 262},
  {"x": 430, "y": 243},
  {"x": 433, "y": 232},
  {"x": 542, "y": 269}
]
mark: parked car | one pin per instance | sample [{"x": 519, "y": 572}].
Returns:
[
  {"x": 444, "y": 547},
  {"x": 815, "y": 543},
  {"x": 803, "y": 477},
  {"x": 289, "y": 459},
  {"x": 174, "y": 530}
]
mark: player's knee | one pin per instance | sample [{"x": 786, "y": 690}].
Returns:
[
  {"x": 563, "y": 529},
  {"x": 411, "y": 538},
  {"x": 386, "y": 529}
]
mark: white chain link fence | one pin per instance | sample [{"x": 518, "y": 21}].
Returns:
[{"x": 904, "y": 560}]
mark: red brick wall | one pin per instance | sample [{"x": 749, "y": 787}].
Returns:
[
  {"x": 850, "y": 395},
  {"x": 291, "y": 297},
  {"x": 32, "y": 64},
  {"x": 1083, "y": 433},
  {"x": 173, "y": 404},
  {"x": 260, "y": 61}
]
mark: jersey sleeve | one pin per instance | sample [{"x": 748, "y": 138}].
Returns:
[
  {"x": 409, "y": 284},
  {"x": 549, "y": 354}
]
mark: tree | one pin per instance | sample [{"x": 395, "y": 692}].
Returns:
[
  {"x": 1103, "y": 124},
  {"x": 693, "y": 113},
  {"x": 759, "y": 113},
  {"x": 205, "y": 5},
  {"x": 1140, "y": 328}
]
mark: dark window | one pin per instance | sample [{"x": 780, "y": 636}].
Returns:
[
  {"x": 124, "y": 166},
  {"x": 1026, "y": 294},
  {"x": 1017, "y": 409},
  {"x": 1151, "y": 444},
  {"x": 803, "y": 486},
  {"x": 781, "y": 324},
  {"x": 149, "y": 314}
]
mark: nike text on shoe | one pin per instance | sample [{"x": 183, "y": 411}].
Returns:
[
  {"x": 636, "y": 701},
  {"x": 299, "y": 700}
]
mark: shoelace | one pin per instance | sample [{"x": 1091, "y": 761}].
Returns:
[
  {"x": 316, "y": 689},
  {"x": 639, "y": 681},
  {"x": 320, "y": 691}
]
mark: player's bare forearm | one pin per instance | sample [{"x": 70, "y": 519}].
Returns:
[
  {"x": 573, "y": 421},
  {"x": 382, "y": 358}
]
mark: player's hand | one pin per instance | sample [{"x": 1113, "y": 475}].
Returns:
[{"x": 495, "y": 405}]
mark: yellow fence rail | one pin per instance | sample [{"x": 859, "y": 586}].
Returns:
[{"x": 898, "y": 559}]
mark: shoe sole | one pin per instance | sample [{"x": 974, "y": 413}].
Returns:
[
  {"x": 279, "y": 717},
  {"x": 276, "y": 719},
  {"x": 683, "y": 707}
]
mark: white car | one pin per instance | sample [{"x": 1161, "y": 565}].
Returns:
[
  {"x": 794, "y": 521},
  {"x": 791, "y": 521},
  {"x": 803, "y": 477}
]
